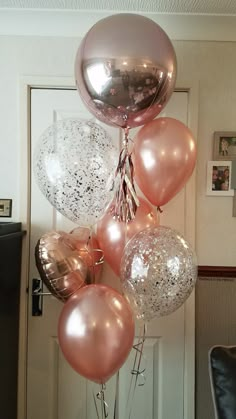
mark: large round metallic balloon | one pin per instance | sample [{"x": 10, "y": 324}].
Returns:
[
  {"x": 158, "y": 272},
  {"x": 125, "y": 70},
  {"x": 96, "y": 332},
  {"x": 62, "y": 267}
]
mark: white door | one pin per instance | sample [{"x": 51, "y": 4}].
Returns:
[{"x": 55, "y": 391}]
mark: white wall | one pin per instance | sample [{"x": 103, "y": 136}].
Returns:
[
  {"x": 213, "y": 65},
  {"x": 210, "y": 63},
  {"x": 24, "y": 56}
]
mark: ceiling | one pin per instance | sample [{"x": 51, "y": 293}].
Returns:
[{"x": 205, "y": 7}]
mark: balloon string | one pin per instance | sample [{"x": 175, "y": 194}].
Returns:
[
  {"x": 104, "y": 406},
  {"x": 101, "y": 260},
  {"x": 139, "y": 351},
  {"x": 116, "y": 404},
  {"x": 126, "y": 200},
  {"x": 135, "y": 371},
  {"x": 159, "y": 210},
  {"x": 94, "y": 250},
  {"x": 90, "y": 246},
  {"x": 95, "y": 404}
]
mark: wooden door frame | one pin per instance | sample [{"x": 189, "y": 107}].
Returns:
[{"x": 25, "y": 86}]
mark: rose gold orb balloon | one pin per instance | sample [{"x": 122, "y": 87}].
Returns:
[{"x": 125, "y": 70}]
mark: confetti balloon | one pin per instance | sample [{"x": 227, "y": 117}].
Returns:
[
  {"x": 158, "y": 272},
  {"x": 125, "y": 82},
  {"x": 74, "y": 165}
]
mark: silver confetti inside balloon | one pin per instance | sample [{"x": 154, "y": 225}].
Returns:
[
  {"x": 158, "y": 272},
  {"x": 74, "y": 164}
]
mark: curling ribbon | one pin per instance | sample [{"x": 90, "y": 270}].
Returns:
[
  {"x": 104, "y": 405},
  {"x": 93, "y": 251},
  {"x": 116, "y": 404},
  {"x": 135, "y": 371}
]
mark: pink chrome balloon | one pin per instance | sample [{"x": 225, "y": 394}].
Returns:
[
  {"x": 96, "y": 332},
  {"x": 164, "y": 159},
  {"x": 125, "y": 70},
  {"x": 87, "y": 245},
  {"x": 112, "y": 235}
]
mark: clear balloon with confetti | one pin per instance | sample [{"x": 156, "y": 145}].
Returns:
[
  {"x": 158, "y": 272},
  {"x": 74, "y": 165}
]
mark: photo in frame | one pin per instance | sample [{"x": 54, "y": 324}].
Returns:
[
  {"x": 219, "y": 178},
  {"x": 224, "y": 145},
  {"x": 5, "y": 208}
]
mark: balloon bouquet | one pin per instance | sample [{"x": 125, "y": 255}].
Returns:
[{"x": 125, "y": 72}]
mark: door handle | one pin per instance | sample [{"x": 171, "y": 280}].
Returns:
[{"x": 37, "y": 297}]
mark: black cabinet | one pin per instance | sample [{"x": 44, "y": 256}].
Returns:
[{"x": 10, "y": 269}]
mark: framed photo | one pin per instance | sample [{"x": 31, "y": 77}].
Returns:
[
  {"x": 219, "y": 178},
  {"x": 5, "y": 207},
  {"x": 224, "y": 145}
]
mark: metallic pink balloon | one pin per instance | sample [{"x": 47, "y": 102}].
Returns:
[
  {"x": 112, "y": 234},
  {"x": 164, "y": 159},
  {"x": 125, "y": 70},
  {"x": 88, "y": 248},
  {"x": 96, "y": 332}
]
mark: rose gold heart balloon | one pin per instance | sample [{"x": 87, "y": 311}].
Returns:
[{"x": 62, "y": 268}]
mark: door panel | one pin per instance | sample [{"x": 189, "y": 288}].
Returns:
[{"x": 55, "y": 391}]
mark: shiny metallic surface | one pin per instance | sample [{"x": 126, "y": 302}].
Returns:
[
  {"x": 87, "y": 245},
  {"x": 125, "y": 70},
  {"x": 62, "y": 267},
  {"x": 164, "y": 159},
  {"x": 113, "y": 234},
  {"x": 96, "y": 332}
]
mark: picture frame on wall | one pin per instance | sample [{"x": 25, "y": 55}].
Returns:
[
  {"x": 224, "y": 145},
  {"x": 219, "y": 178},
  {"x": 5, "y": 208}
]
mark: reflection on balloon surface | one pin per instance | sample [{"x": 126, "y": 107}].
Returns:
[{"x": 128, "y": 81}]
